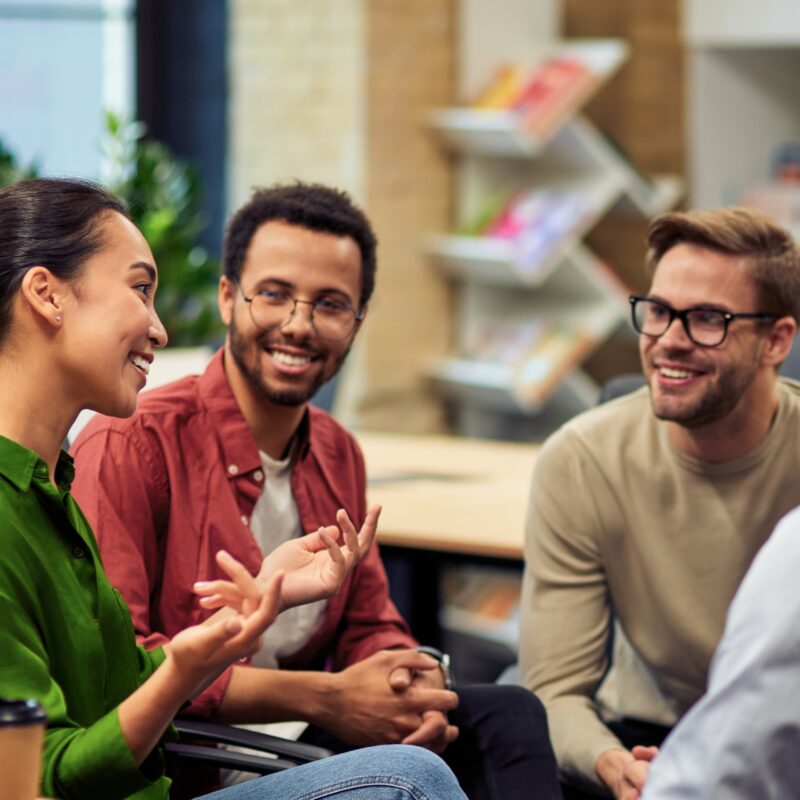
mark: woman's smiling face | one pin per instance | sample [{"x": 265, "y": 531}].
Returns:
[{"x": 110, "y": 326}]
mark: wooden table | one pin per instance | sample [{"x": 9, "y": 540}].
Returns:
[
  {"x": 453, "y": 495},
  {"x": 444, "y": 500}
]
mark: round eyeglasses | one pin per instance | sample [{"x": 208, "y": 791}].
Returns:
[
  {"x": 330, "y": 318},
  {"x": 706, "y": 327}
]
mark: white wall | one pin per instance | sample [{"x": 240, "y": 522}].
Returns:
[{"x": 743, "y": 94}]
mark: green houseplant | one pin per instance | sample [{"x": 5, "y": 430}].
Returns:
[
  {"x": 163, "y": 197},
  {"x": 10, "y": 170}
]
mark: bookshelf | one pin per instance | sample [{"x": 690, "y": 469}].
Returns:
[
  {"x": 482, "y": 602},
  {"x": 532, "y": 300}
]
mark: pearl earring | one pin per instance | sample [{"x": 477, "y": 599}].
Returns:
[{"x": 58, "y": 318}]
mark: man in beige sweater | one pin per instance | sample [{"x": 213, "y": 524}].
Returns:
[{"x": 646, "y": 512}]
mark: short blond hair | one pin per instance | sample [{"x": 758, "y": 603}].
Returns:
[{"x": 772, "y": 253}]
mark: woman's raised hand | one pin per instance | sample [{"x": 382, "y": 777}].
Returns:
[{"x": 226, "y": 638}]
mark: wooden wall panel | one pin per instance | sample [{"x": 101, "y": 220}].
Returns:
[
  {"x": 409, "y": 69},
  {"x": 642, "y": 110}
]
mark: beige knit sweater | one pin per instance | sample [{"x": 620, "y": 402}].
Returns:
[{"x": 618, "y": 518}]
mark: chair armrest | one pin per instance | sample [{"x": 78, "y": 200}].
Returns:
[
  {"x": 295, "y": 752},
  {"x": 227, "y": 759}
]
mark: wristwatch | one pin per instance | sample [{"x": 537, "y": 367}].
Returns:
[{"x": 444, "y": 664}]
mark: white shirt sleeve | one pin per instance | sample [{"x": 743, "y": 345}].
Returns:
[{"x": 742, "y": 739}]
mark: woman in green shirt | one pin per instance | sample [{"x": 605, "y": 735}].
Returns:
[{"x": 78, "y": 329}]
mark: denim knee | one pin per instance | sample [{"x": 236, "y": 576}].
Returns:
[
  {"x": 428, "y": 775},
  {"x": 386, "y": 772}
]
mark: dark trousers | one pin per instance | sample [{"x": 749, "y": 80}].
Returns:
[
  {"x": 630, "y": 732},
  {"x": 503, "y": 750}
]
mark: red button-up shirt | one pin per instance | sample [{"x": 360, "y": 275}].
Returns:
[{"x": 167, "y": 488}]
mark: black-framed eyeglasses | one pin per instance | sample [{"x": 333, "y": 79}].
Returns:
[
  {"x": 331, "y": 319},
  {"x": 706, "y": 327}
]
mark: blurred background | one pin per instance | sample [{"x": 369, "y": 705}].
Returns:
[{"x": 509, "y": 154}]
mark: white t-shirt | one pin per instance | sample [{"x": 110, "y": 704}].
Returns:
[{"x": 275, "y": 520}]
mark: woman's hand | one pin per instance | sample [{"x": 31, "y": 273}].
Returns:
[
  {"x": 197, "y": 655},
  {"x": 315, "y": 565},
  {"x": 205, "y": 650}
]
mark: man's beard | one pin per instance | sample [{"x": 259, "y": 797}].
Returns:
[
  {"x": 719, "y": 399},
  {"x": 241, "y": 348}
]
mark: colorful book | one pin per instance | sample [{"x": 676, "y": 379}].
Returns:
[
  {"x": 535, "y": 354},
  {"x": 543, "y": 95},
  {"x": 536, "y": 221}
]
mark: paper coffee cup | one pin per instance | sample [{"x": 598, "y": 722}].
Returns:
[{"x": 22, "y": 725}]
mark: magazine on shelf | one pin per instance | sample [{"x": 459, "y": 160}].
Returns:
[
  {"x": 780, "y": 201},
  {"x": 779, "y": 195},
  {"x": 535, "y": 354},
  {"x": 535, "y": 221},
  {"x": 544, "y": 94},
  {"x": 482, "y": 601}
]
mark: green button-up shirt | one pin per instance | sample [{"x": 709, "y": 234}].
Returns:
[{"x": 66, "y": 637}]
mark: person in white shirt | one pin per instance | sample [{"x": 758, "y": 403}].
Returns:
[{"x": 741, "y": 741}]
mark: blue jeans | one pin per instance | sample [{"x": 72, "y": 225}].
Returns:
[{"x": 388, "y": 772}]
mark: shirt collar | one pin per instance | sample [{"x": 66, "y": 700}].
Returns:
[
  {"x": 238, "y": 444},
  {"x": 21, "y": 466}
]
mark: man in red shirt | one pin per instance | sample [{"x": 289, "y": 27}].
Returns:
[{"x": 237, "y": 459}]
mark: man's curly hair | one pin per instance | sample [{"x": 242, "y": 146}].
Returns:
[{"x": 307, "y": 205}]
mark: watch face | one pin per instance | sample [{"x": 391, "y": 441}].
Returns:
[{"x": 444, "y": 663}]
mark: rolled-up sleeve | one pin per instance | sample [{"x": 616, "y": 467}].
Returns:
[{"x": 78, "y": 761}]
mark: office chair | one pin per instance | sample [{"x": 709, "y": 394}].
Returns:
[
  {"x": 194, "y": 761},
  {"x": 619, "y": 386}
]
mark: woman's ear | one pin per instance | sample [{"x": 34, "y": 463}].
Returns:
[{"x": 44, "y": 294}]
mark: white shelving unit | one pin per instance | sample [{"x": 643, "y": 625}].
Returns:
[
  {"x": 743, "y": 99},
  {"x": 558, "y": 285}
]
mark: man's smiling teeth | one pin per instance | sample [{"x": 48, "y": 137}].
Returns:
[
  {"x": 667, "y": 372},
  {"x": 142, "y": 363},
  {"x": 292, "y": 361}
]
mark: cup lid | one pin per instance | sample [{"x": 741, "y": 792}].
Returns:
[{"x": 21, "y": 712}]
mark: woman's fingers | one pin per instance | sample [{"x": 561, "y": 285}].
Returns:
[
  {"x": 242, "y": 593},
  {"x": 215, "y": 594},
  {"x": 207, "y": 588},
  {"x": 213, "y": 601},
  {"x": 244, "y": 581},
  {"x": 247, "y": 640}
]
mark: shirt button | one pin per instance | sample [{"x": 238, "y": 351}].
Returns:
[
  {"x": 233, "y": 469},
  {"x": 78, "y": 551},
  {"x": 258, "y": 475},
  {"x": 244, "y": 520}
]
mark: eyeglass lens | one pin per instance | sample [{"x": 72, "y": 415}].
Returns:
[
  {"x": 329, "y": 320},
  {"x": 703, "y": 326}
]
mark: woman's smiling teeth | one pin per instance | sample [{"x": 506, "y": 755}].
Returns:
[
  {"x": 141, "y": 362},
  {"x": 290, "y": 360}
]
